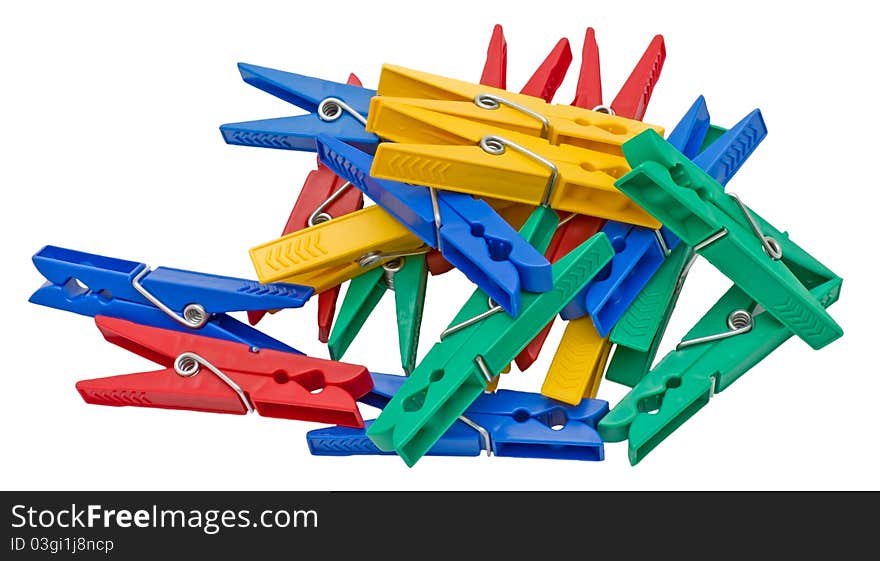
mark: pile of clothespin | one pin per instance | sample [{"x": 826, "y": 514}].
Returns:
[{"x": 581, "y": 211}]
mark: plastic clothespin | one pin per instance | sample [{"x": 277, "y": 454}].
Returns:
[
  {"x": 335, "y": 109},
  {"x": 455, "y": 371},
  {"x": 495, "y": 67},
  {"x": 572, "y": 231},
  {"x": 578, "y": 364},
  {"x": 327, "y": 254},
  {"x": 733, "y": 336},
  {"x": 323, "y": 196},
  {"x": 91, "y": 285},
  {"x": 525, "y": 114},
  {"x": 407, "y": 277},
  {"x": 506, "y": 423},
  {"x": 741, "y": 244},
  {"x": 633, "y": 97},
  {"x": 211, "y": 375},
  {"x": 640, "y": 330},
  {"x": 468, "y": 232},
  {"x": 447, "y": 152}
]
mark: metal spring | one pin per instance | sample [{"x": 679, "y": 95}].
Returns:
[
  {"x": 331, "y": 108},
  {"x": 389, "y": 269},
  {"x": 496, "y": 145},
  {"x": 738, "y": 322},
  {"x": 194, "y": 315},
  {"x": 189, "y": 364},
  {"x": 492, "y": 102}
]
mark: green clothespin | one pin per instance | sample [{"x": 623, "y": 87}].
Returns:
[
  {"x": 741, "y": 244},
  {"x": 640, "y": 330},
  {"x": 478, "y": 345},
  {"x": 734, "y": 335},
  {"x": 407, "y": 276}
]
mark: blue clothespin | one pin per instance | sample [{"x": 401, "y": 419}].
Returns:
[
  {"x": 637, "y": 257},
  {"x": 689, "y": 133},
  {"x": 91, "y": 285},
  {"x": 641, "y": 251},
  {"x": 335, "y": 109},
  {"x": 468, "y": 232},
  {"x": 506, "y": 423}
]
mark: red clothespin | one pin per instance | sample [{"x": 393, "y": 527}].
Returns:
[
  {"x": 632, "y": 99},
  {"x": 573, "y": 230},
  {"x": 217, "y": 376},
  {"x": 549, "y": 76},
  {"x": 495, "y": 69},
  {"x": 323, "y": 196}
]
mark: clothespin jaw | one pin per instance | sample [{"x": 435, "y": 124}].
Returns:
[
  {"x": 633, "y": 97},
  {"x": 588, "y": 93},
  {"x": 497, "y": 163},
  {"x": 495, "y": 68},
  {"x": 327, "y": 254},
  {"x": 439, "y": 391},
  {"x": 638, "y": 255},
  {"x": 714, "y": 354},
  {"x": 578, "y": 364},
  {"x": 212, "y": 375},
  {"x": 693, "y": 206},
  {"x": 89, "y": 284},
  {"x": 640, "y": 329},
  {"x": 550, "y": 75},
  {"x": 407, "y": 277},
  {"x": 335, "y": 109},
  {"x": 469, "y": 233},
  {"x": 691, "y": 130}
]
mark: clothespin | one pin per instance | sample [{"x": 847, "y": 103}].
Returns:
[
  {"x": 506, "y": 423},
  {"x": 638, "y": 255},
  {"x": 323, "y": 196},
  {"x": 734, "y": 335},
  {"x": 572, "y": 231},
  {"x": 468, "y": 232},
  {"x": 407, "y": 277},
  {"x": 495, "y": 67},
  {"x": 639, "y": 331},
  {"x": 741, "y": 244},
  {"x": 91, "y": 285},
  {"x": 327, "y": 254},
  {"x": 524, "y": 114},
  {"x": 335, "y": 109},
  {"x": 446, "y": 152},
  {"x": 578, "y": 364},
  {"x": 216, "y": 376},
  {"x": 632, "y": 99},
  {"x": 472, "y": 351},
  {"x": 500, "y": 109}
]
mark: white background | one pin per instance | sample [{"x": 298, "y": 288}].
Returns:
[{"x": 110, "y": 144}]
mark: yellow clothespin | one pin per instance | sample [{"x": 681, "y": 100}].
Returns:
[
  {"x": 332, "y": 252},
  {"x": 578, "y": 364},
  {"x": 559, "y": 124},
  {"x": 447, "y": 152}
]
